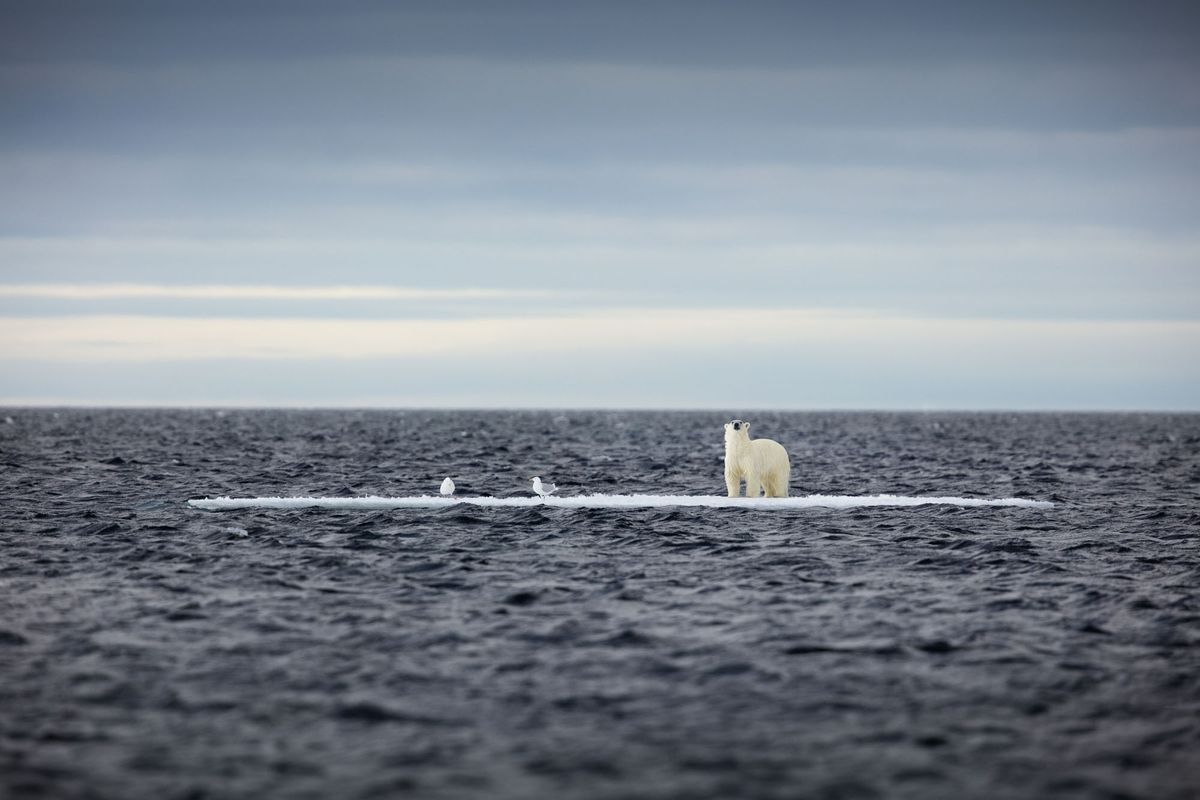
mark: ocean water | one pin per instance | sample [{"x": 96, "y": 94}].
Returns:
[{"x": 518, "y": 649}]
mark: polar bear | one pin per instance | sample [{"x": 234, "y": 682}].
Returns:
[{"x": 762, "y": 463}]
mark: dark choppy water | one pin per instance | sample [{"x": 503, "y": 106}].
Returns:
[{"x": 152, "y": 650}]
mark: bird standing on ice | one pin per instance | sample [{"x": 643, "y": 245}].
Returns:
[
  {"x": 447, "y": 487},
  {"x": 540, "y": 490}
]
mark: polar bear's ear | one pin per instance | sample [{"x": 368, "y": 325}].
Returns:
[{"x": 746, "y": 425}]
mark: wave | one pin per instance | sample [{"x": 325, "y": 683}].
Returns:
[{"x": 609, "y": 501}]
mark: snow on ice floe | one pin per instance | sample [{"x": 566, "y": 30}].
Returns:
[{"x": 609, "y": 501}]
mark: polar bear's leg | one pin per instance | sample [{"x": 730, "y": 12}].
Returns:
[
  {"x": 777, "y": 484},
  {"x": 732, "y": 483},
  {"x": 753, "y": 488}
]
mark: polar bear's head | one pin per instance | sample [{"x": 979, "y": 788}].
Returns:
[{"x": 737, "y": 431}]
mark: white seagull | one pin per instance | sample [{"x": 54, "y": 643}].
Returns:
[
  {"x": 447, "y": 487},
  {"x": 540, "y": 490}
]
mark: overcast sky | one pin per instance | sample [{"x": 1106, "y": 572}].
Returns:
[{"x": 695, "y": 204}]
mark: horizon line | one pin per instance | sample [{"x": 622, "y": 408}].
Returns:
[{"x": 6, "y": 405}]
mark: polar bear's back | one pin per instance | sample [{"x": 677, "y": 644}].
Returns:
[
  {"x": 772, "y": 467},
  {"x": 768, "y": 452}
]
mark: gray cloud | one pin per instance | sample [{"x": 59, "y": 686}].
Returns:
[
  {"x": 672, "y": 31},
  {"x": 1138, "y": 367},
  {"x": 941, "y": 160}
]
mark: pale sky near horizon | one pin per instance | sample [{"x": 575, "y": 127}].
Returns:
[{"x": 695, "y": 205}]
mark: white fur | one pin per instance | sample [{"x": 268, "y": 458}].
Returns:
[{"x": 762, "y": 463}]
